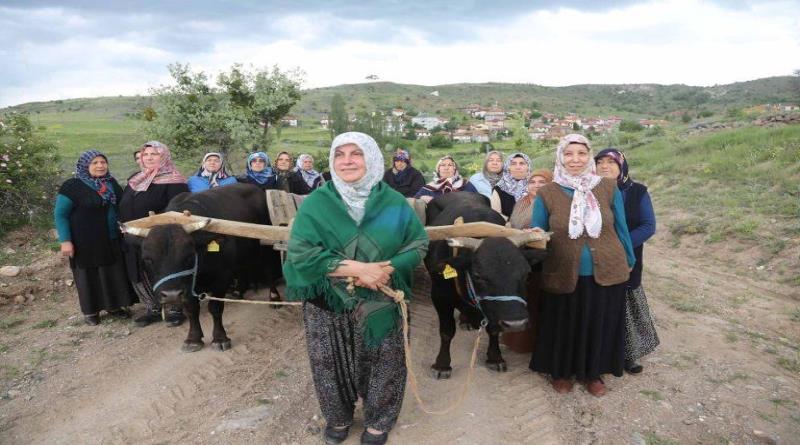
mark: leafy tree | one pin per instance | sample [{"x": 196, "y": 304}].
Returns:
[
  {"x": 338, "y": 122},
  {"x": 410, "y": 134},
  {"x": 372, "y": 124},
  {"x": 440, "y": 141},
  {"x": 686, "y": 118},
  {"x": 630, "y": 126},
  {"x": 536, "y": 115},
  {"x": 29, "y": 172},
  {"x": 575, "y": 126}
]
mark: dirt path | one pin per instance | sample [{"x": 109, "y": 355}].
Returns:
[{"x": 728, "y": 370}]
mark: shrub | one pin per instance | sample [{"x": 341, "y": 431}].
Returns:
[
  {"x": 29, "y": 174},
  {"x": 440, "y": 141},
  {"x": 630, "y": 126}
]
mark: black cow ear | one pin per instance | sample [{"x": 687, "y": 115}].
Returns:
[
  {"x": 534, "y": 256},
  {"x": 133, "y": 240}
]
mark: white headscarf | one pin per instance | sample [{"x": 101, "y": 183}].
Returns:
[
  {"x": 584, "y": 211},
  {"x": 308, "y": 176},
  {"x": 355, "y": 194}
]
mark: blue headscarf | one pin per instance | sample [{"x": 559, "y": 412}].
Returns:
[
  {"x": 264, "y": 175},
  {"x": 99, "y": 184}
]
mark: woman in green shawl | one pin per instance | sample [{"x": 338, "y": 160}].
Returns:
[{"x": 354, "y": 230}]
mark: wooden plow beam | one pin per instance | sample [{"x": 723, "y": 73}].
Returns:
[{"x": 278, "y": 234}]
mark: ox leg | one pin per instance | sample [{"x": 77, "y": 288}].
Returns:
[
  {"x": 194, "y": 341},
  {"x": 220, "y": 338},
  {"x": 494, "y": 359},
  {"x": 441, "y": 295}
]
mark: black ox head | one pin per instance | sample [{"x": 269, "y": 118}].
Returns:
[
  {"x": 168, "y": 249},
  {"x": 498, "y": 267}
]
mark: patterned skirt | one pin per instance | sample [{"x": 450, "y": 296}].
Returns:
[
  {"x": 344, "y": 369},
  {"x": 640, "y": 330}
]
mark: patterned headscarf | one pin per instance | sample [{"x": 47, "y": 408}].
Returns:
[
  {"x": 585, "y": 210},
  {"x": 165, "y": 173},
  {"x": 264, "y": 175},
  {"x": 355, "y": 194},
  {"x": 617, "y": 156},
  {"x": 493, "y": 178},
  {"x": 283, "y": 172},
  {"x": 445, "y": 185},
  {"x": 402, "y": 155},
  {"x": 308, "y": 176},
  {"x": 516, "y": 187},
  {"x": 100, "y": 184},
  {"x": 214, "y": 177}
]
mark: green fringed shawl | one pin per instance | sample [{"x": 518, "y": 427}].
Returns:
[{"x": 323, "y": 235}]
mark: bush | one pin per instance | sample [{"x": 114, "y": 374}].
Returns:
[
  {"x": 705, "y": 113},
  {"x": 686, "y": 118},
  {"x": 630, "y": 126},
  {"x": 440, "y": 141},
  {"x": 29, "y": 174}
]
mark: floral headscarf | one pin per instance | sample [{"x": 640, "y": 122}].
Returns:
[
  {"x": 280, "y": 172},
  {"x": 617, "y": 156},
  {"x": 515, "y": 187},
  {"x": 214, "y": 177},
  {"x": 165, "y": 173},
  {"x": 355, "y": 194},
  {"x": 585, "y": 211},
  {"x": 308, "y": 176},
  {"x": 493, "y": 178},
  {"x": 100, "y": 184},
  {"x": 264, "y": 175},
  {"x": 445, "y": 185}
]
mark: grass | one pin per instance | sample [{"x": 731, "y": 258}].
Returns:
[
  {"x": 281, "y": 374},
  {"x": 46, "y": 324},
  {"x": 651, "y": 438},
  {"x": 11, "y": 322},
  {"x": 655, "y": 395},
  {"x": 789, "y": 364},
  {"x": 794, "y": 315},
  {"x": 738, "y": 375},
  {"x": 731, "y": 337}
]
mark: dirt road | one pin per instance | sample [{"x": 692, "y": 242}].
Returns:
[{"x": 728, "y": 370}]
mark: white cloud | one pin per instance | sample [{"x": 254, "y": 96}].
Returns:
[{"x": 668, "y": 41}]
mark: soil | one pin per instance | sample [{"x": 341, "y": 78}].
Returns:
[{"x": 727, "y": 370}]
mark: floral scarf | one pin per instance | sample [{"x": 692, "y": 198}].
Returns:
[
  {"x": 617, "y": 156},
  {"x": 515, "y": 187},
  {"x": 213, "y": 178},
  {"x": 355, "y": 194},
  {"x": 100, "y": 184},
  {"x": 492, "y": 178},
  {"x": 165, "y": 173},
  {"x": 445, "y": 185},
  {"x": 585, "y": 211}
]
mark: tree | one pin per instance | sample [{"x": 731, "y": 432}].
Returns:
[
  {"x": 338, "y": 122},
  {"x": 29, "y": 171},
  {"x": 630, "y": 126},
  {"x": 440, "y": 141},
  {"x": 372, "y": 124}
]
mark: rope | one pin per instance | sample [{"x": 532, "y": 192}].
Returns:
[{"x": 204, "y": 296}]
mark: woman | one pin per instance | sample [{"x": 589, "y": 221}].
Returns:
[
  {"x": 86, "y": 221},
  {"x": 354, "y": 226},
  {"x": 259, "y": 172},
  {"x": 305, "y": 165},
  {"x": 402, "y": 176},
  {"x": 150, "y": 190},
  {"x": 523, "y": 209},
  {"x": 446, "y": 179},
  {"x": 513, "y": 184},
  {"x": 524, "y": 341},
  {"x": 210, "y": 174},
  {"x": 582, "y": 323},
  {"x": 640, "y": 331},
  {"x": 485, "y": 180},
  {"x": 289, "y": 180}
]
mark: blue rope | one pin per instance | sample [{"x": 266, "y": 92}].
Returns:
[
  {"x": 183, "y": 273},
  {"x": 474, "y": 300}
]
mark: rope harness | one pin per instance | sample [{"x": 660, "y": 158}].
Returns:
[{"x": 472, "y": 298}]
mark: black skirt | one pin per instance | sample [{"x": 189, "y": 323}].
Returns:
[
  {"x": 582, "y": 334},
  {"x": 104, "y": 287}
]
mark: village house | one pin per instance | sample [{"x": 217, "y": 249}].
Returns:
[
  {"x": 494, "y": 115},
  {"x": 429, "y": 122},
  {"x": 289, "y": 121},
  {"x": 398, "y": 112},
  {"x": 480, "y": 136},
  {"x": 394, "y": 124},
  {"x": 462, "y": 135},
  {"x": 325, "y": 122},
  {"x": 422, "y": 133}
]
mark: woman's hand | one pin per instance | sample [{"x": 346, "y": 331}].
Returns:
[
  {"x": 373, "y": 275},
  {"x": 67, "y": 249},
  {"x": 426, "y": 198}
]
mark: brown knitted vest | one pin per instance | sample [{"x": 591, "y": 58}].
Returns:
[{"x": 560, "y": 269}]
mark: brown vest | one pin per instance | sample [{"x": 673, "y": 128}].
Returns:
[{"x": 560, "y": 269}]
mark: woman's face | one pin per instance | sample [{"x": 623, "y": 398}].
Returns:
[
  {"x": 447, "y": 169},
  {"x": 212, "y": 164},
  {"x": 535, "y": 184},
  {"x": 400, "y": 165},
  {"x": 518, "y": 168},
  {"x": 495, "y": 163},
  {"x": 607, "y": 168},
  {"x": 308, "y": 163},
  {"x": 257, "y": 165},
  {"x": 349, "y": 163},
  {"x": 151, "y": 158},
  {"x": 283, "y": 162},
  {"x": 98, "y": 167},
  {"x": 576, "y": 157}
]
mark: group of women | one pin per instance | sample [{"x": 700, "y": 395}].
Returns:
[{"x": 356, "y": 234}]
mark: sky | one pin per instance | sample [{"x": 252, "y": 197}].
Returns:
[{"x": 66, "y": 49}]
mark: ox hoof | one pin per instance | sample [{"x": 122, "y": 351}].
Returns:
[
  {"x": 441, "y": 374},
  {"x": 499, "y": 367},
  {"x": 221, "y": 345},
  {"x": 191, "y": 347}
]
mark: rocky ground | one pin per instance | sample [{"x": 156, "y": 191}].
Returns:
[{"x": 727, "y": 371}]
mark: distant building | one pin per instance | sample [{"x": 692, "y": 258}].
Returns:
[
  {"x": 325, "y": 122},
  {"x": 422, "y": 133},
  {"x": 429, "y": 122},
  {"x": 398, "y": 112},
  {"x": 289, "y": 121}
]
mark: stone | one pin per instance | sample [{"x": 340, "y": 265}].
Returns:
[
  {"x": 19, "y": 299},
  {"x": 13, "y": 393},
  {"x": 9, "y": 271},
  {"x": 53, "y": 233},
  {"x": 9, "y": 251},
  {"x": 637, "y": 439},
  {"x": 765, "y": 437},
  {"x": 69, "y": 282}
]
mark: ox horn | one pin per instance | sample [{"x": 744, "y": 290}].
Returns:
[
  {"x": 465, "y": 242},
  {"x": 136, "y": 231},
  {"x": 521, "y": 239},
  {"x": 199, "y": 225}
]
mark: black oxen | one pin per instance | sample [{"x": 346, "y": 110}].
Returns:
[
  {"x": 498, "y": 269},
  {"x": 221, "y": 261}
]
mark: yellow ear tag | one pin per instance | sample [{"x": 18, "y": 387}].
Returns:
[
  {"x": 449, "y": 272},
  {"x": 212, "y": 247}
]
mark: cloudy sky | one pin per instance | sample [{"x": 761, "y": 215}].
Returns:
[{"x": 64, "y": 49}]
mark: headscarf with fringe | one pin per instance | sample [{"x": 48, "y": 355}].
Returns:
[
  {"x": 165, "y": 173},
  {"x": 213, "y": 177},
  {"x": 584, "y": 212},
  {"x": 100, "y": 184},
  {"x": 445, "y": 185}
]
